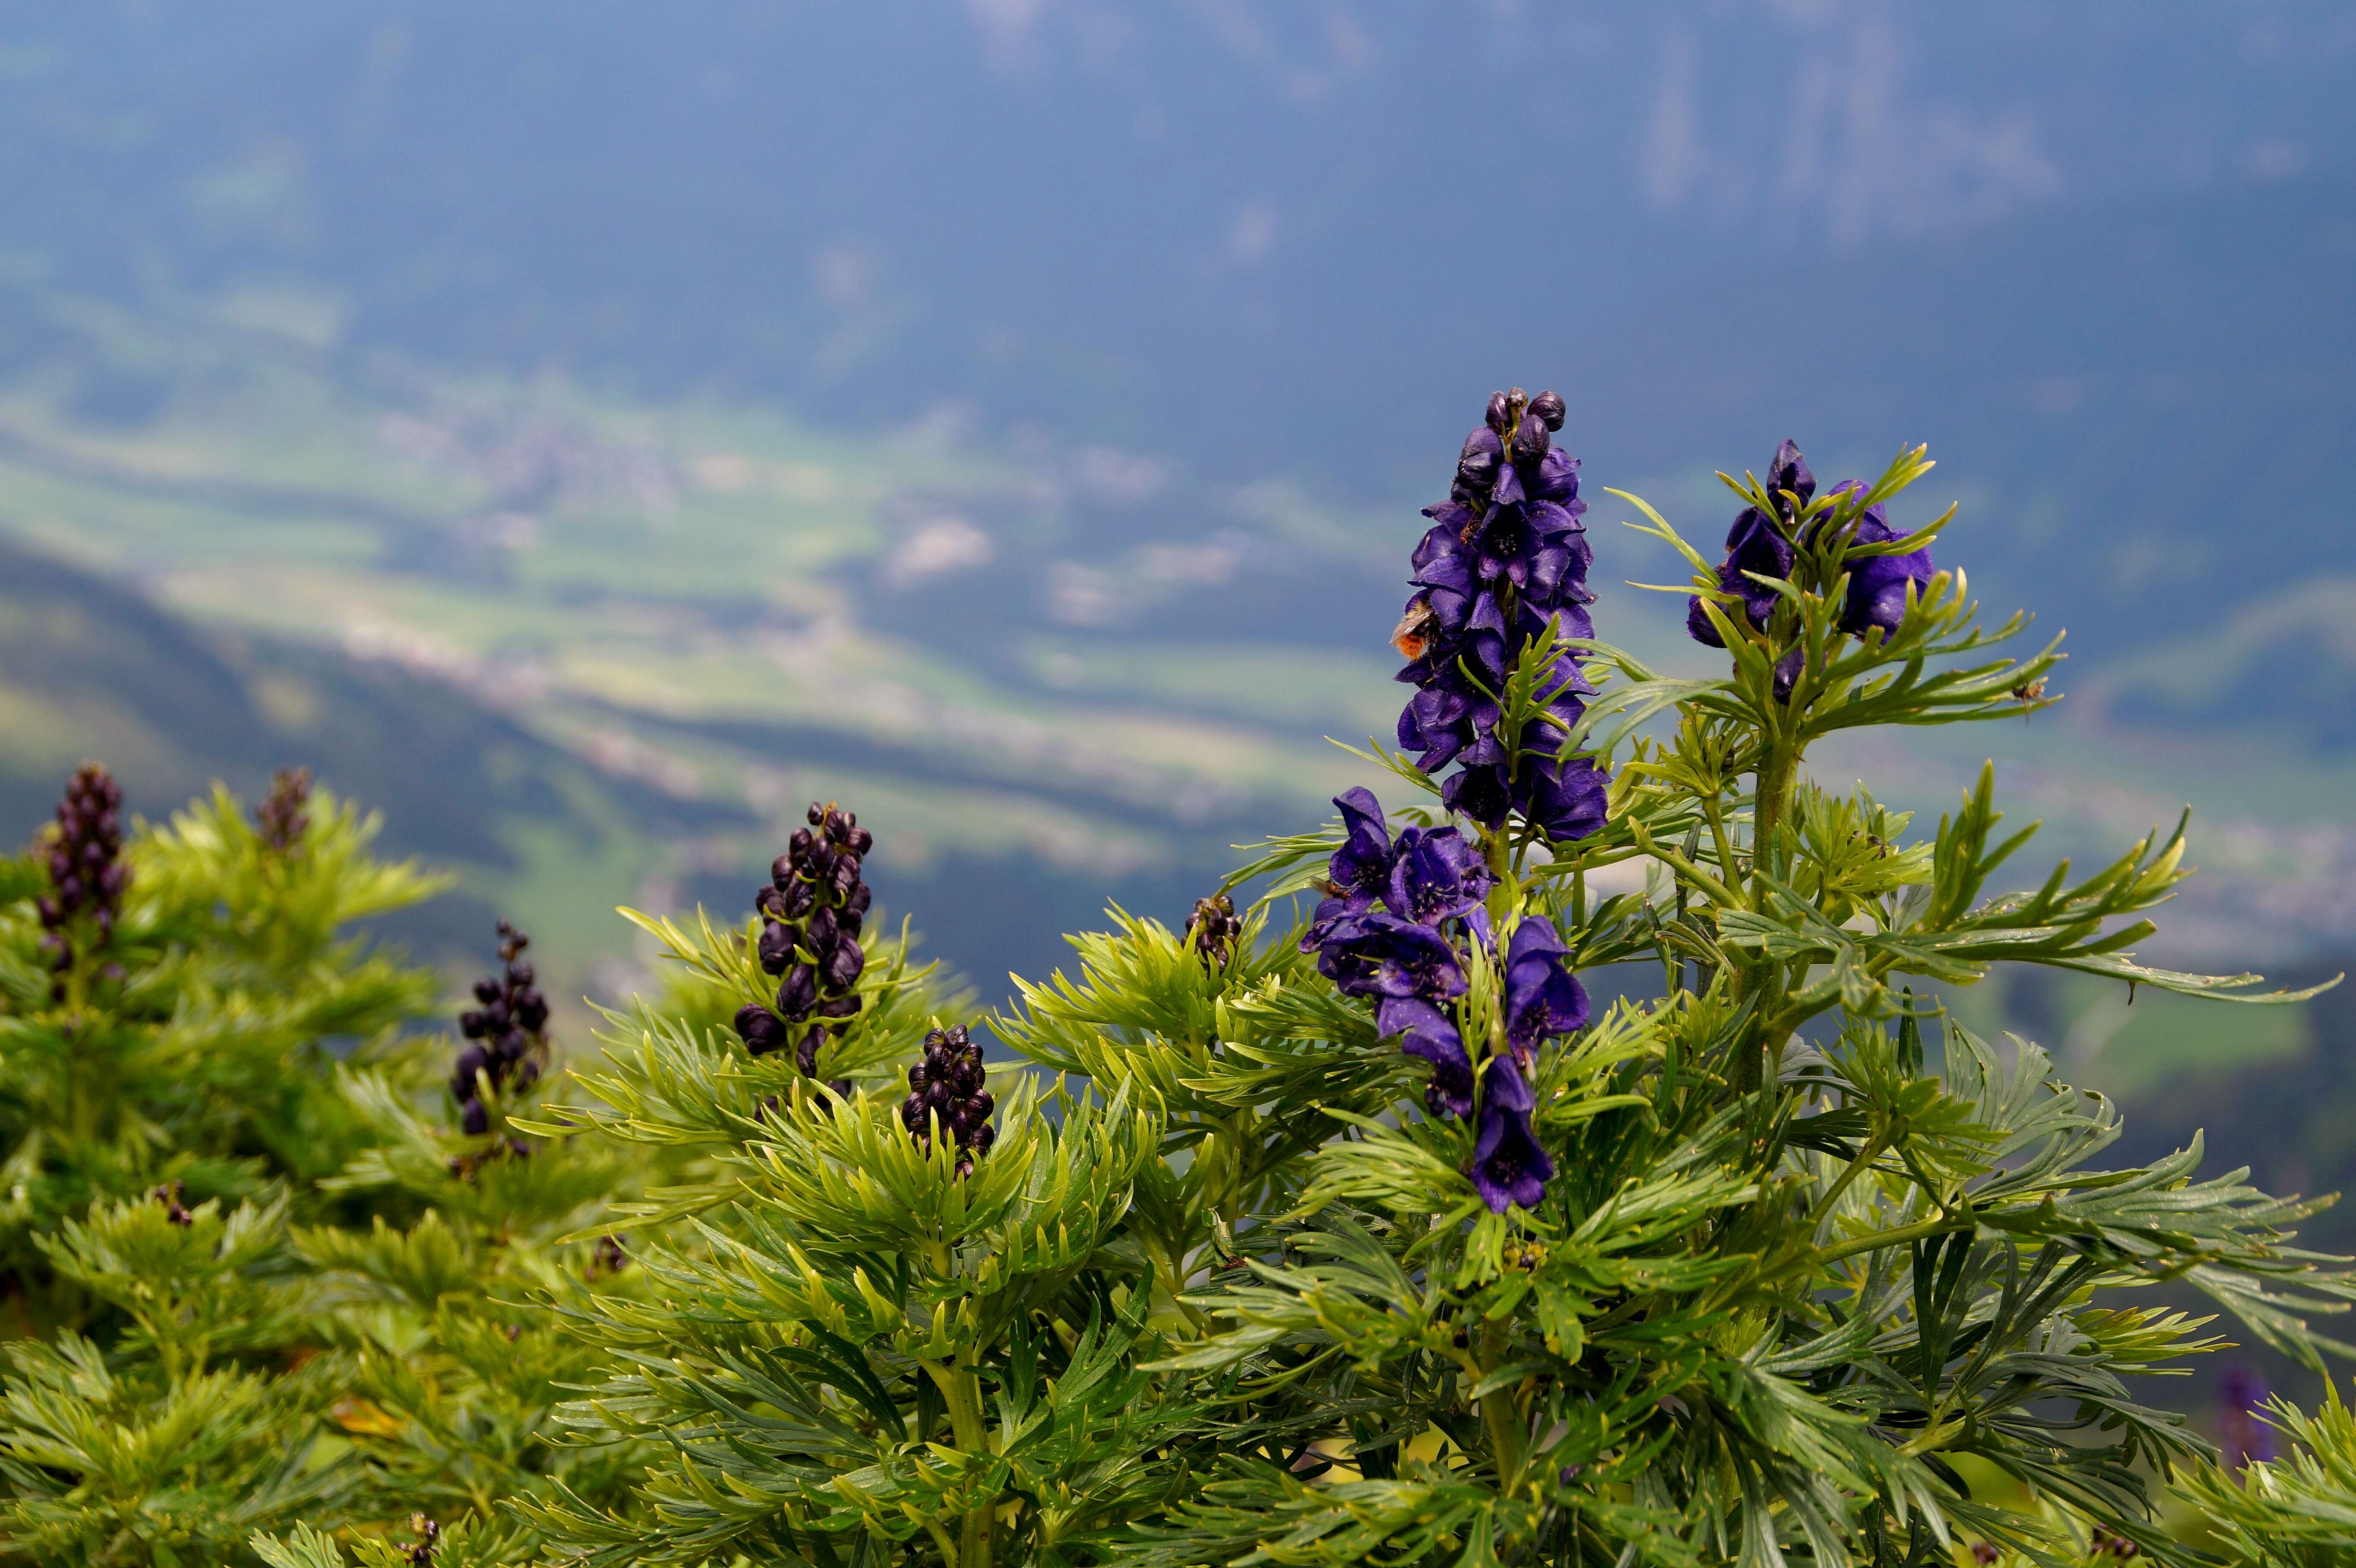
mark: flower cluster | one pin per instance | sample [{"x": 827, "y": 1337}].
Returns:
[
  {"x": 812, "y": 911},
  {"x": 1505, "y": 558},
  {"x": 84, "y": 860},
  {"x": 170, "y": 1196},
  {"x": 507, "y": 1033},
  {"x": 1395, "y": 929},
  {"x": 1213, "y": 928},
  {"x": 945, "y": 1089},
  {"x": 429, "y": 1536},
  {"x": 279, "y": 820},
  {"x": 1759, "y": 545}
]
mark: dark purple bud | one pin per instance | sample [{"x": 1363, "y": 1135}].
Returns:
[
  {"x": 769, "y": 901},
  {"x": 798, "y": 900},
  {"x": 798, "y": 991},
  {"x": 806, "y": 1053},
  {"x": 844, "y": 875},
  {"x": 1548, "y": 408},
  {"x": 496, "y": 1015},
  {"x": 462, "y": 1077},
  {"x": 1530, "y": 439},
  {"x": 817, "y": 814},
  {"x": 777, "y": 948},
  {"x": 858, "y": 840},
  {"x": 49, "y": 910},
  {"x": 843, "y": 964},
  {"x": 473, "y": 1024},
  {"x": 798, "y": 848},
  {"x": 761, "y": 1029},
  {"x": 531, "y": 1011},
  {"x": 781, "y": 870},
  {"x": 476, "y": 1118},
  {"x": 519, "y": 975},
  {"x": 1501, "y": 411},
  {"x": 982, "y": 1103},
  {"x": 983, "y": 1136},
  {"x": 487, "y": 991},
  {"x": 844, "y": 1007}
]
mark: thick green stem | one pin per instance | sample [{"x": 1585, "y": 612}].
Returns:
[
  {"x": 1503, "y": 1420},
  {"x": 1763, "y": 982},
  {"x": 961, "y": 1391}
]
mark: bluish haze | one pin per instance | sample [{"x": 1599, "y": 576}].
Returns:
[{"x": 1221, "y": 285}]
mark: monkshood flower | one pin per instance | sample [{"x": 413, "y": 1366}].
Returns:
[
  {"x": 812, "y": 909},
  {"x": 1504, "y": 561},
  {"x": 82, "y": 852},
  {"x": 508, "y": 1034},
  {"x": 1509, "y": 1165},
  {"x": 945, "y": 1091},
  {"x": 1878, "y": 584},
  {"x": 1407, "y": 947},
  {"x": 1542, "y": 997},
  {"x": 279, "y": 820},
  {"x": 1212, "y": 929},
  {"x": 1426, "y": 1032},
  {"x": 1758, "y": 543}
]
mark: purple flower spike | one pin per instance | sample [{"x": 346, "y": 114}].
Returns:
[
  {"x": 1425, "y": 1031},
  {"x": 1436, "y": 875},
  {"x": 1542, "y": 997},
  {"x": 1509, "y": 1166},
  {"x": 1379, "y": 954}
]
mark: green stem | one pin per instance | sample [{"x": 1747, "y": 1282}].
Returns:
[
  {"x": 1897, "y": 1238},
  {"x": 961, "y": 1391},
  {"x": 1504, "y": 1421},
  {"x": 1856, "y": 1167},
  {"x": 1765, "y": 982}
]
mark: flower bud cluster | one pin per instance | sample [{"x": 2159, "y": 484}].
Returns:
[
  {"x": 82, "y": 852},
  {"x": 1768, "y": 547},
  {"x": 1396, "y": 929},
  {"x": 507, "y": 1033},
  {"x": 281, "y": 820},
  {"x": 1212, "y": 929},
  {"x": 946, "y": 1089},
  {"x": 429, "y": 1536},
  {"x": 1505, "y": 558},
  {"x": 170, "y": 1196},
  {"x": 812, "y": 912}
]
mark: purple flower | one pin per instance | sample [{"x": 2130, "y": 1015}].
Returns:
[
  {"x": 1878, "y": 583},
  {"x": 1436, "y": 875},
  {"x": 1542, "y": 997},
  {"x": 1361, "y": 868},
  {"x": 1509, "y": 1166},
  {"x": 1506, "y": 555},
  {"x": 1757, "y": 543},
  {"x": 1481, "y": 794},
  {"x": 1426, "y": 1032},
  {"x": 1379, "y": 954}
]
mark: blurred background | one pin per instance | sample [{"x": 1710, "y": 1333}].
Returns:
[{"x": 588, "y": 432}]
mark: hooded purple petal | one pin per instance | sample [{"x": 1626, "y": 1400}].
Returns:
[
  {"x": 1542, "y": 997},
  {"x": 1509, "y": 1166},
  {"x": 1425, "y": 1031},
  {"x": 1567, "y": 799},
  {"x": 1362, "y": 865}
]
